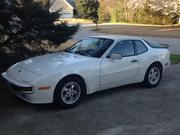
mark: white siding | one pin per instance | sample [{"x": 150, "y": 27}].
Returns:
[{"x": 64, "y": 6}]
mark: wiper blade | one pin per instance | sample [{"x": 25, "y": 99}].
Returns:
[
  {"x": 67, "y": 51},
  {"x": 81, "y": 53}
]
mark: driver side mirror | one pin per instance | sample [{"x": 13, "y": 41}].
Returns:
[{"x": 116, "y": 57}]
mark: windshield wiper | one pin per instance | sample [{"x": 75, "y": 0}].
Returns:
[
  {"x": 67, "y": 50},
  {"x": 81, "y": 53}
]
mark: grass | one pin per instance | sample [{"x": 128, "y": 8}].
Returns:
[{"x": 175, "y": 59}]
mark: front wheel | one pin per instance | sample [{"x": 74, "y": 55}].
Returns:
[
  {"x": 153, "y": 76},
  {"x": 69, "y": 92}
]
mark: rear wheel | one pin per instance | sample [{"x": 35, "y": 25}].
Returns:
[
  {"x": 69, "y": 92},
  {"x": 153, "y": 76}
]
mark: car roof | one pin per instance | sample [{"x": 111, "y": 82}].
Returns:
[{"x": 118, "y": 37}]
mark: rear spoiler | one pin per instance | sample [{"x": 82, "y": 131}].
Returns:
[
  {"x": 156, "y": 45},
  {"x": 164, "y": 46}
]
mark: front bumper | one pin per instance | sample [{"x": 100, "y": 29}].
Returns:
[
  {"x": 27, "y": 92},
  {"x": 16, "y": 86}
]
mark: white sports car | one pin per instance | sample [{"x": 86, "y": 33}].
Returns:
[{"x": 92, "y": 64}]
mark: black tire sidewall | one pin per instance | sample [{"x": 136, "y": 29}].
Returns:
[
  {"x": 57, "y": 93},
  {"x": 146, "y": 80}
]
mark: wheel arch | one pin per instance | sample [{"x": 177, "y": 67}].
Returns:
[
  {"x": 159, "y": 63},
  {"x": 146, "y": 74},
  {"x": 156, "y": 62},
  {"x": 73, "y": 75}
]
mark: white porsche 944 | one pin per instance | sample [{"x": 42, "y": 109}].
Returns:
[{"x": 90, "y": 65}]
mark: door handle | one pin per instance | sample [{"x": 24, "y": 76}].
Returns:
[{"x": 134, "y": 61}]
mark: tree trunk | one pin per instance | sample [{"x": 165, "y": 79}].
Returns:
[
  {"x": 125, "y": 11},
  {"x": 97, "y": 26}
]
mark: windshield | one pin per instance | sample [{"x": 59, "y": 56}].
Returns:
[{"x": 93, "y": 47}]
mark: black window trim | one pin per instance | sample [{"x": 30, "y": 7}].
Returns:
[{"x": 136, "y": 54}]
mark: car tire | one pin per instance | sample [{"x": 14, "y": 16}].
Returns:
[
  {"x": 69, "y": 92},
  {"x": 153, "y": 76}
]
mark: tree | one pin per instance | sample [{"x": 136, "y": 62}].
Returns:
[
  {"x": 43, "y": 2},
  {"x": 141, "y": 11},
  {"x": 114, "y": 15},
  {"x": 25, "y": 26},
  {"x": 136, "y": 4},
  {"x": 169, "y": 8},
  {"x": 24, "y": 20},
  {"x": 101, "y": 11},
  {"x": 88, "y": 9}
]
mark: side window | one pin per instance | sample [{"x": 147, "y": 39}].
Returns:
[
  {"x": 140, "y": 47},
  {"x": 124, "y": 48}
]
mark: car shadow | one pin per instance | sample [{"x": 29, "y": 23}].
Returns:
[
  {"x": 113, "y": 91},
  {"x": 11, "y": 102}
]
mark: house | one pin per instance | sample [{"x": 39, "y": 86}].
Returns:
[{"x": 66, "y": 8}]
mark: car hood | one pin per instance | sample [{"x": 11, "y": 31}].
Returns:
[{"x": 46, "y": 63}]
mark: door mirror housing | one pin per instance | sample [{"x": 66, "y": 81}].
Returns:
[{"x": 116, "y": 57}]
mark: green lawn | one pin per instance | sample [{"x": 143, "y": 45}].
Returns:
[{"x": 175, "y": 59}]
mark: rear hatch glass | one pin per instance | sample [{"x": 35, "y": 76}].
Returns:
[{"x": 156, "y": 45}]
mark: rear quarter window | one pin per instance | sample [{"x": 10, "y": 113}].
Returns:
[{"x": 140, "y": 47}]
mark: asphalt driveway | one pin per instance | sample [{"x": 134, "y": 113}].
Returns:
[{"x": 129, "y": 110}]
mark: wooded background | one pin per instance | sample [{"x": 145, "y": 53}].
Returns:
[{"x": 140, "y": 11}]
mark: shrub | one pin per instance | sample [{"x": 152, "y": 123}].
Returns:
[{"x": 27, "y": 29}]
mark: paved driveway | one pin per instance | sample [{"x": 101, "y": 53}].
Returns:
[
  {"x": 173, "y": 42},
  {"x": 129, "y": 110}
]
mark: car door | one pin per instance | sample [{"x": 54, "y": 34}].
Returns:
[{"x": 121, "y": 71}]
